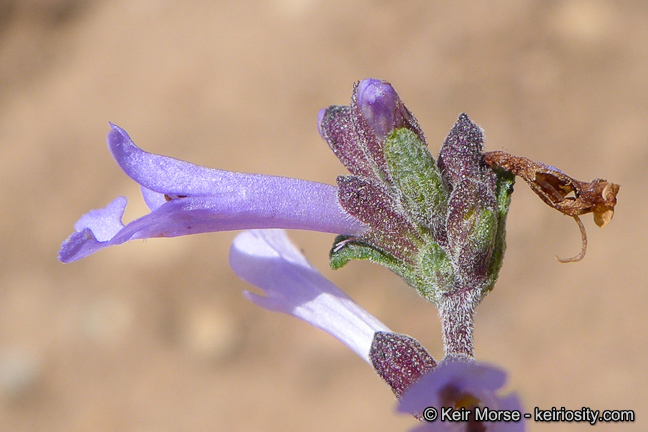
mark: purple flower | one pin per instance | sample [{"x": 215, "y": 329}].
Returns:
[
  {"x": 439, "y": 225},
  {"x": 462, "y": 386},
  {"x": 189, "y": 199},
  {"x": 270, "y": 261}
]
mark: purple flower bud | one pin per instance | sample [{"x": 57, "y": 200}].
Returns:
[
  {"x": 461, "y": 153},
  {"x": 472, "y": 218},
  {"x": 357, "y": 133},
  {"x": 377, "y": 110},
  {"x": 383, "y": 110},
  {"x": 336, "y": 126},
  {"x": 379, "y": 105}
]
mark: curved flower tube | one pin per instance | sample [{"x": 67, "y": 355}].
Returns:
[
  {"x": 270, "y": 261},
  {"x": 189, "y": 199}
]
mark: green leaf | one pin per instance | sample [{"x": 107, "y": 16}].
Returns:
[
  {"x": 416, "y": 177},
  {"x": 346, "y": 249},
  {"x": 436, "y": 272},
  {"x": 504, "y": 189}
]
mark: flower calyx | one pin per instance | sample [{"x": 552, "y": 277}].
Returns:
[{"x": 437, "y": 224}]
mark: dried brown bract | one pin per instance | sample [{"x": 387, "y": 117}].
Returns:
[{"x": 562, "y": 192}]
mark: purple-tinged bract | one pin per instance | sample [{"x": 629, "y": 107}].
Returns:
[{"x": 438, "y": 225}]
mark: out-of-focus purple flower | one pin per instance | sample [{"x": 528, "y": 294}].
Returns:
[
  {"x": 188, "y": 199},
  {"x": 461, "y": 386},
  {"x": 270, "y": 261}
]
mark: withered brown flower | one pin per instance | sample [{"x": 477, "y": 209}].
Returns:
[{"x": 558, "y": 190}]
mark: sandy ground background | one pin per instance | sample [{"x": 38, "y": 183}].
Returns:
[{"x": 156, "y": 336}]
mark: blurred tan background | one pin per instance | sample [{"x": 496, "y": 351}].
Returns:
[{"x": 156, "y": 336}]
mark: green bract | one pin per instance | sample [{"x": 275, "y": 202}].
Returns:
[
  {"x": 416, "y": 177},
  {"x": 417, "y": 182}
]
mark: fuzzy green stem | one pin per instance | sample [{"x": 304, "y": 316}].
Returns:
[{"x": 457, "y": 310}]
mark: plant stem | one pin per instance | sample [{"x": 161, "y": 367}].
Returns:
[{"x": 457, "y": 311}]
